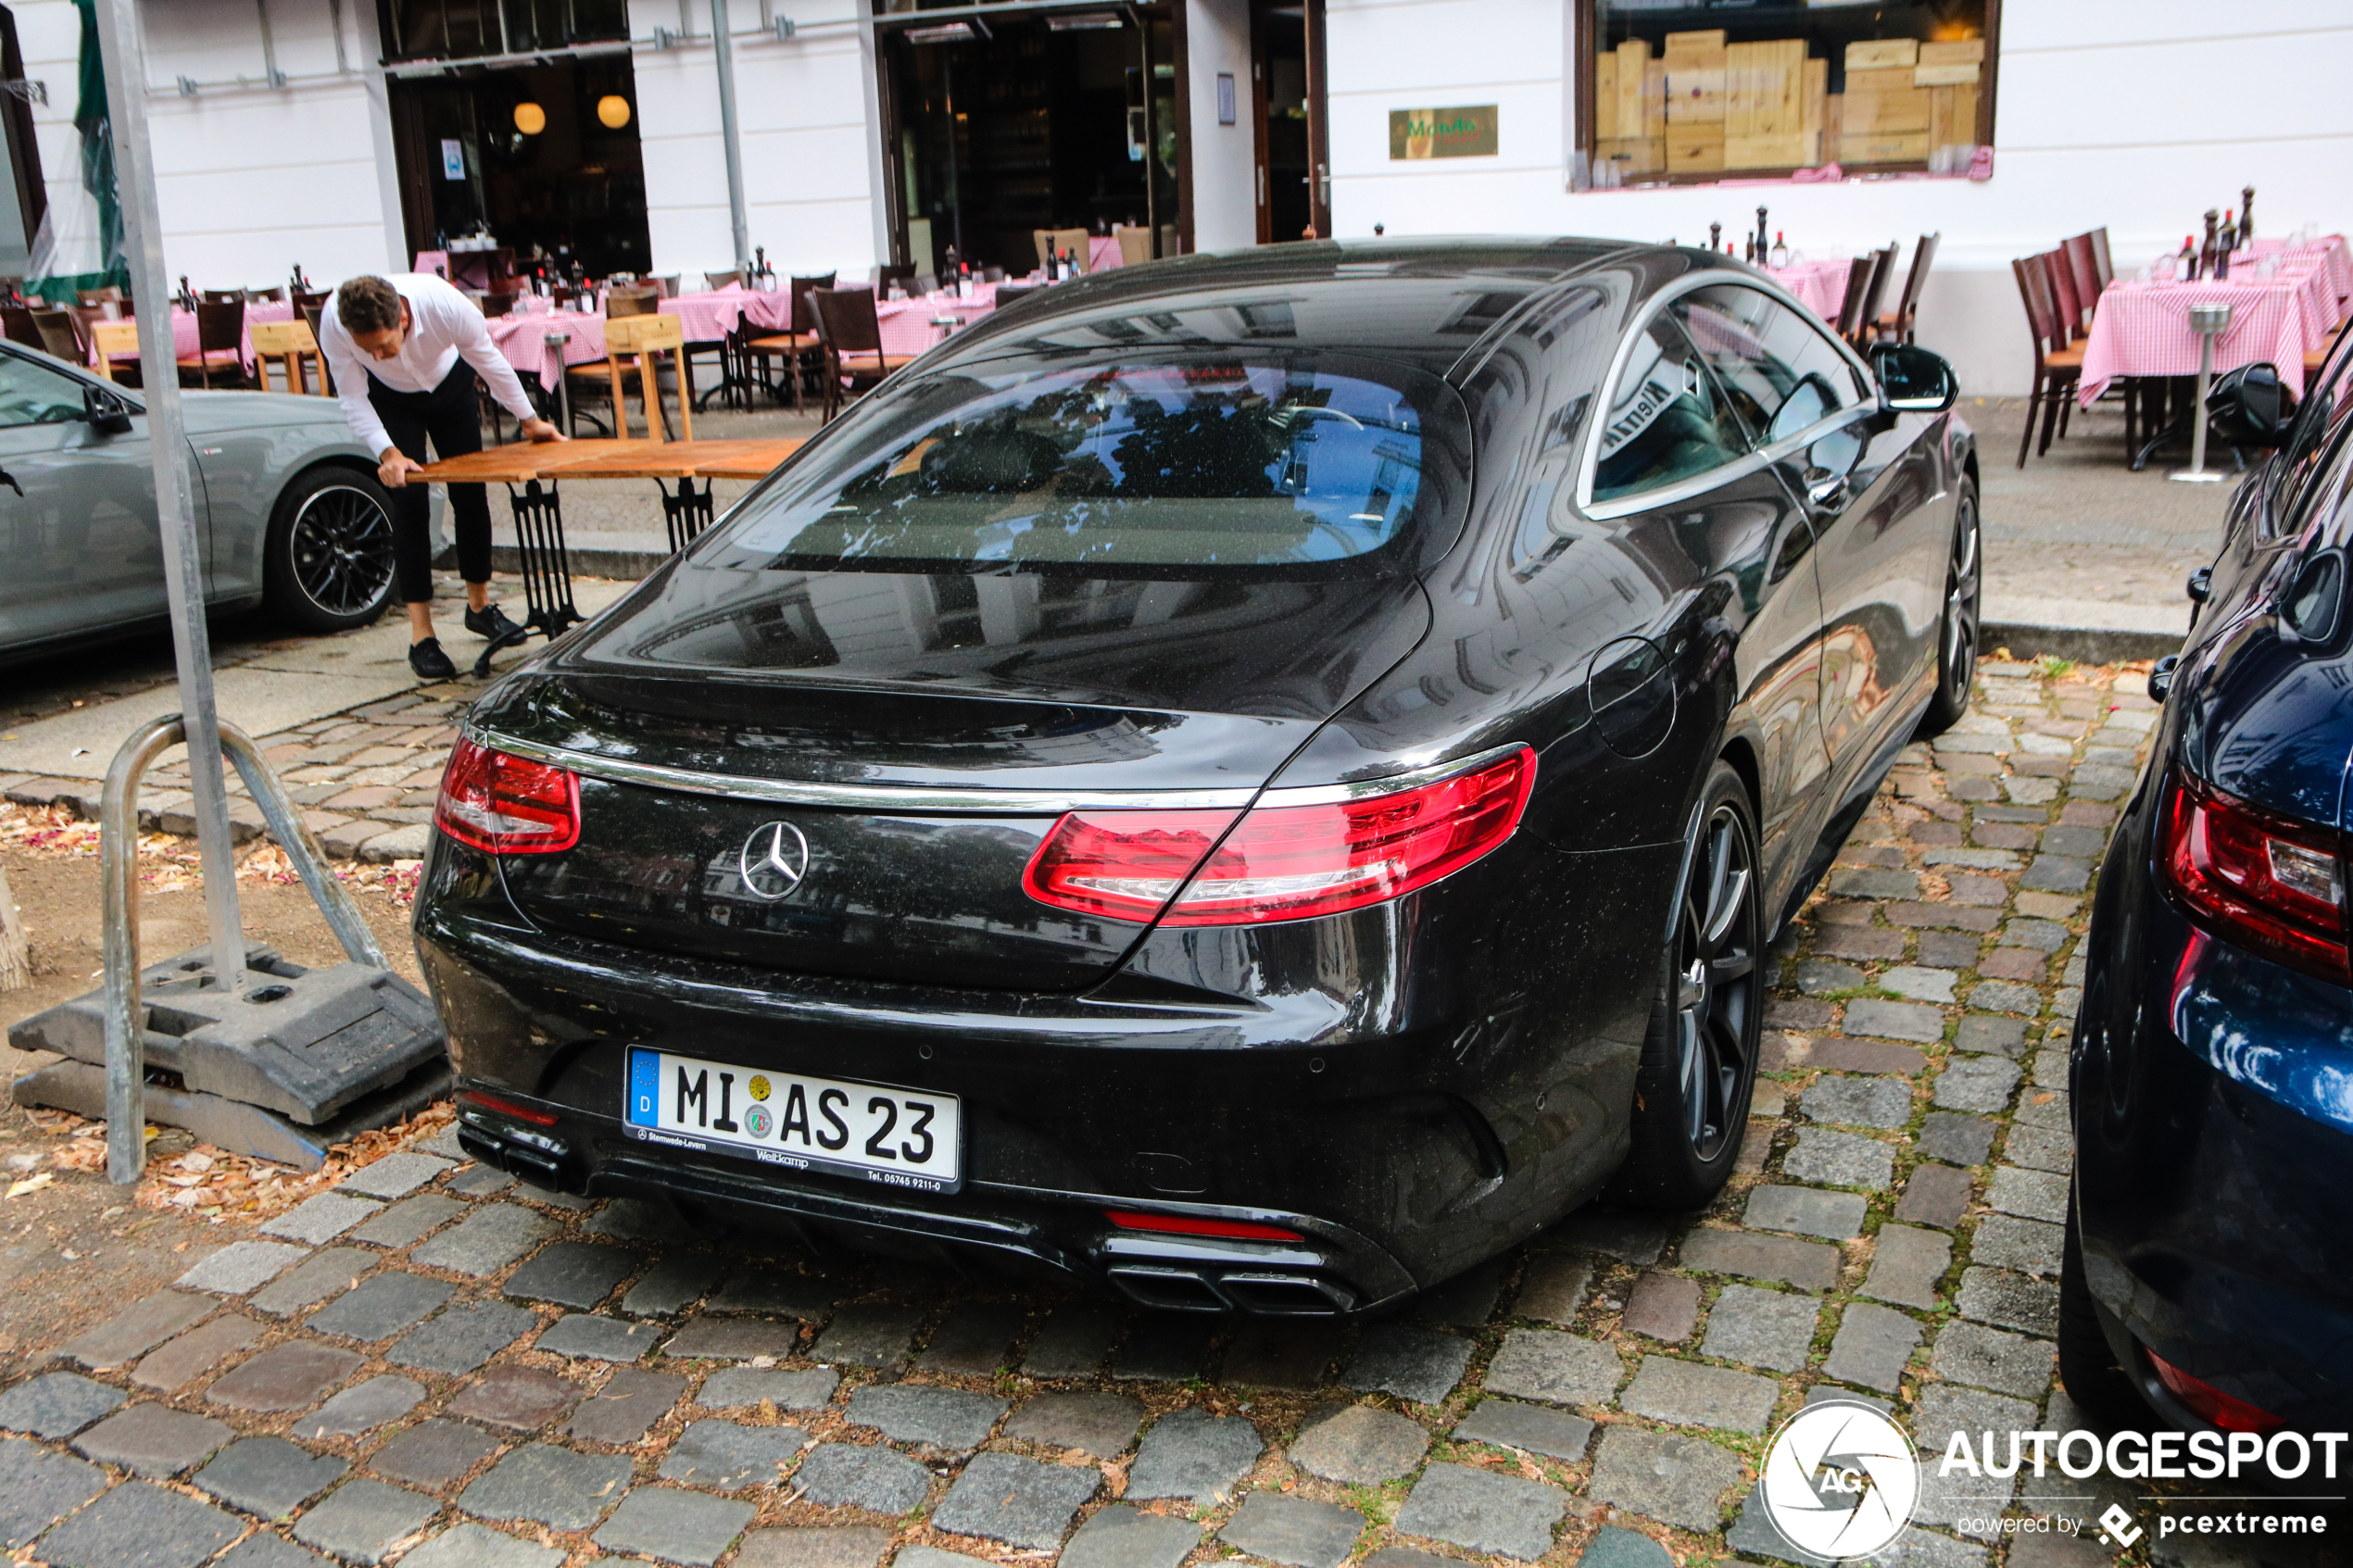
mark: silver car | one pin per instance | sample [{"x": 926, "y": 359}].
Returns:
[{"x": 289, "y": 514}]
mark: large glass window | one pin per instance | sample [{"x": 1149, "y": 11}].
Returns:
[
  {"x": 1668, "y": 421},
  {"x": 1680, "y": 93},
  {"x": 1134, "y": 467},
  {"x": 1779, "y": 371}
]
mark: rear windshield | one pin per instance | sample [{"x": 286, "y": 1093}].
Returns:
[{"x": 1141, "y": 466}]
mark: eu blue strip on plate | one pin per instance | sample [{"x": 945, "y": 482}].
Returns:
[{"x": 645, "y": 1087}]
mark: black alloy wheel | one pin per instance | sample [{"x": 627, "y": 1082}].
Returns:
[
  {"x": 1958, "y": 628},
  {"x": 1699, "y": 1064},
  {"x": 329, "y": 551}
]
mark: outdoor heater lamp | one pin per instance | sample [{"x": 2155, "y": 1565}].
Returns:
[
  {"x": 613, "y": 111},
  {"x": 530, "y": 119}
]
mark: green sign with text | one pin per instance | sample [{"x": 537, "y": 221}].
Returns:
[{"x": 1458, "y": 133}]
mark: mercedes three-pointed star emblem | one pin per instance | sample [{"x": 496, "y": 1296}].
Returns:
[{"x": 774, "y": 861}]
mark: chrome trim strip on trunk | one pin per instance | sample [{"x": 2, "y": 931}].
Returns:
[{"x": 935, "y": 800}]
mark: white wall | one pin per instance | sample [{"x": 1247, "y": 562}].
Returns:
[
  {"x": 2141, "y": 135},
  {"x": 1225, "y": 156},
  {"x": 250, "y": 180},
  {"x": 810, "y": 147}
]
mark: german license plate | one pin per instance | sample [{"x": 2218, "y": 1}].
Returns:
[{"x": 901, "y": 1137}]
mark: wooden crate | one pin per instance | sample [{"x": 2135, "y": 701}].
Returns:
[
  {"x": 1884, "y": 100},
  {"x": 1881, "y": 53},
  {"x": 1958, "y": 75},
  {"x": 1765, "y": 88},
  {"x": 1833, "y": 127},
  {"x": 1695, "y": 78},
  {"x": 1634, "y": 64},
  {"x": 1969, "y": 52},
  {"x": 1952, "y": 116},
  {"x": 1779, "y": 149},
  {"x": 1694, "y": 149},
  {"x": 1908, "y": 146},
  {"x": 1634, "y": 155},
  {"x": 1816, "y": 120},
  {"x": 1606, "y": 96}
]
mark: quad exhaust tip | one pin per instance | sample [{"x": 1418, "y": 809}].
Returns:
[{"x": 1259, "y": 1292}]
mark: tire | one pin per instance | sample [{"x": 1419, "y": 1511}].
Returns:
[
  {"x": 2088, "y": 1367},
  {"x": 327, "y": 562},
  {"x": 1699, "y": 1056},
  {"x": 1958, "y": 627}
]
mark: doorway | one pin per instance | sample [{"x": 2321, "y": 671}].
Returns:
[
  {"x": 996, "y": 128},
  {"x": 532, "y": 154},
  {"x": 1294, "y": 184}
]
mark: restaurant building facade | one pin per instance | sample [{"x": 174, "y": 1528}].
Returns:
[{"x": 344, "y": 135}]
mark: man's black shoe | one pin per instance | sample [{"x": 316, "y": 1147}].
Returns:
[
  {"x": 430, "y": 663},
  {"x": 490, "y": 621}
]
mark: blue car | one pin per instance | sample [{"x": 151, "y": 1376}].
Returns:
[{"x": 2208, "y": 1268}]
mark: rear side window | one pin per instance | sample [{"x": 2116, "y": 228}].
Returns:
[
  {"x": 1147, "y": 465},
  {"x": 2328, "y": 405},
  {"x": 1667, "y": 420},
  {"x": 1780, "y": 372}
]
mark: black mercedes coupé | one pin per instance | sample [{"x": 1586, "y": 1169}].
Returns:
[{"x": 1258, "y": 781}]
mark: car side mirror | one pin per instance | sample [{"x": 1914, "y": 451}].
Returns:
[
  {"x": 2250, "y": 407},
  {"x": 1914, "y": 380},
  {"x": 108, "y": 414}
]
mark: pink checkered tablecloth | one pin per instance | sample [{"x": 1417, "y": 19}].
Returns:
[
  {"x": 2143, "y": 329},
  {"x": 1820, "y": 286},
  {"x": 907, "y": 323},
  {"x": 520, "y": 336}
]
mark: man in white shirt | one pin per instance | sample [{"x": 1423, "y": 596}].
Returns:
[{"x": 395, "y": 345}]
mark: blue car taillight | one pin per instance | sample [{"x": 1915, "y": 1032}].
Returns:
[{"x": 2255, "y": 879}]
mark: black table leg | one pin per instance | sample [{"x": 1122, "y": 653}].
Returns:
[
  {"x": 688, "y": 513},
  {"x": 547, "y": 569}
]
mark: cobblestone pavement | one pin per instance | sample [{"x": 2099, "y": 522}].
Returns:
[{"x": 433, "y": 1364}]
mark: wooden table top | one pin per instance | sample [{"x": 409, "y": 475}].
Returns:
[{"x": 634, "y": 458}]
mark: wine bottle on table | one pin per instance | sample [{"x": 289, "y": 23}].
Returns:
[
  {"x": 2206, "y": 249},
  {"x": 2188, "y": 258},
  {"x": 1761, "y": 246},
  {"x": 1779, "y": 257}
]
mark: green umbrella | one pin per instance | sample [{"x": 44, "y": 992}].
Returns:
[{"x": 81, "y": 247}]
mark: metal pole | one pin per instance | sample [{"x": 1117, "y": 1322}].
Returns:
[
  {"x": 724, "y": 48},
  {"x": 2209, "y": 320},
  {"x": 175, "y": 508}
]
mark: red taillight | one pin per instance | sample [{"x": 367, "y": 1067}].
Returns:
[
  {"x": 2225, "y": 1410},
  {"x": 1186, "y": 1225},
  {"x": 507, "y": 805},
  {"x": 1280, "y": 862},
  {"x": 2261, "y": 880},
  {"x": 509, "y": 1108}
]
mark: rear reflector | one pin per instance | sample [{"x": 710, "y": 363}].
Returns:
[
  {"x": 1279, "y": 862},
  {"x": 507, "y": 805},
  {"x": 2257, "y": 880},
  {"x": 2225, "y": 1410},
  {"x": 509, "y": 1108},
  {"x": 1186, "y": 1225}
]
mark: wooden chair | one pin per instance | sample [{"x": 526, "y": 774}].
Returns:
[
  {"x": 221, "y": 336},
  {"x": 1901, "y": 323},
  {"x": 16, "y": 322},
  {"x": 851, "y": 335},
  {"x": 2105, "y": 269},
  {"x": 1874, "y": 294},
  {"x": 923, "y": 283},
  {"x": 2059, "y": 359},
  {"x": 499, "y": 303},
  {"x": 111, "y": 294},
  {"x": 1858, "y": 284},
  {"x": 61, "y": 336},
  {"x": 798, "y": 343},
  {"x": 668, "y": 286},
  {"x": 312, "y": 313},
  {"x": 292, "y": 344},
  {"x": 886, "y": 273},
  {"x": 631, "y": 302},
  {"x": 1134, "y": 243},
  {"x": 714, "y": 282},
  {"x": 992, "y": 274},
  {"x": 639, "y": 338},
  {"x": 258, "y": 296},
  {"x": 221, "y": 296},
  {"x": 1049, "y": 241},
  {"x": 113, "y": 341}
]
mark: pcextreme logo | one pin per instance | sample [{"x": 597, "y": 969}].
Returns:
[{"x": 1840, "y": 1480}]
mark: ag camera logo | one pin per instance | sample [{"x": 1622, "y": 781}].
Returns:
[{"x": 1841, "y": 1480}]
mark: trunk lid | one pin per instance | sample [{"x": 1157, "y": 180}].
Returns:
[{"x": 830, "y": 697}]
